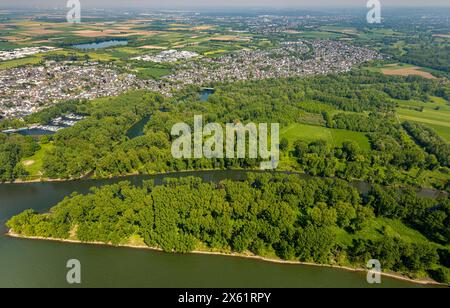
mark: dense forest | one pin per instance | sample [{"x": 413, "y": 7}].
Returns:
[
  {"x": 80, "y": 149},
  {"x": 359, "y": 101},
  {"x": 12, "y": 150},
  {"x": 273, "y": 215}
]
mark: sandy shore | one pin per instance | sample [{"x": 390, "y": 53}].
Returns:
[
  {"x": 38, "y": 181},
  {"x": 236, "y": 255},
  {"x": 124, "y": 177}
]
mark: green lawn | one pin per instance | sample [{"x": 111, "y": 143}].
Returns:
[
  {"x": 333, "y": 136},
  {"x": 153, "y": 73},
  {"x": 378, "y": 228},
  {"x": 33, "y": 165}
]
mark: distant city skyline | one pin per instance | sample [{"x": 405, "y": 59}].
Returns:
[{"x": 217, "y": 3}]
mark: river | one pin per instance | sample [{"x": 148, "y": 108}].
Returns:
[{"x": 30, "y": 263}]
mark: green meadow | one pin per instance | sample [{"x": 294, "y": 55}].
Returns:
[
  {"x": 19, "y": 62},
  {"x": 378, "y": 228},
  {"x": 335, "y": 137},
  {"x": 434, "y": 114},
  {"x": 33, "y": 165},
  {"x": 153, "y": 73}
]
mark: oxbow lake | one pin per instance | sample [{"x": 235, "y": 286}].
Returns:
[
  {"x": 137, "y": 129},
  {"x": 205, "y": 94}
]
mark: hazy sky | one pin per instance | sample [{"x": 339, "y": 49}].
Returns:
[{"x": 219, "y": 3}]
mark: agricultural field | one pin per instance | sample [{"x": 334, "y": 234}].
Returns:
[
  {"x": 102, "y": 56},
  {"x": 319, "y": 35},
  {"x": 409, "y": 71},
  {"x": 380, "y": 33},
  {"x": 335, "y": 137},
  {"x": 447, "y": 36},
  {"x": 144, "y": 36},
  {"x": 339, "y": 29},
  {"x": 402, "y": 69},
  {"x": 434, "y": 114}
]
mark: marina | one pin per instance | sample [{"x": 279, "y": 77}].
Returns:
[{"x": 48, "y": 129}]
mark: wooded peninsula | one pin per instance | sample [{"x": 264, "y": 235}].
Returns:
[{"x": 277, "y": 216}]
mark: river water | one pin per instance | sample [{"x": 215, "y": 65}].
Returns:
[{"x": 29, "y": 263}]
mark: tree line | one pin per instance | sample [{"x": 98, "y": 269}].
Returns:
[
  {"x": 12, "y": 150},
  {"x": 430, "y": 140}
]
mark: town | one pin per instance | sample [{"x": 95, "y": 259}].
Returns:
[
  {"x": 168, "y": 56},
  {"x": 28, "y": 89},
  {"x": 292, "y": 59},
  {"x": 24, "y": 52}
]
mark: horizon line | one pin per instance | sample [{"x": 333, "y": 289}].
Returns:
[{"x": 212, "y": 6}]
